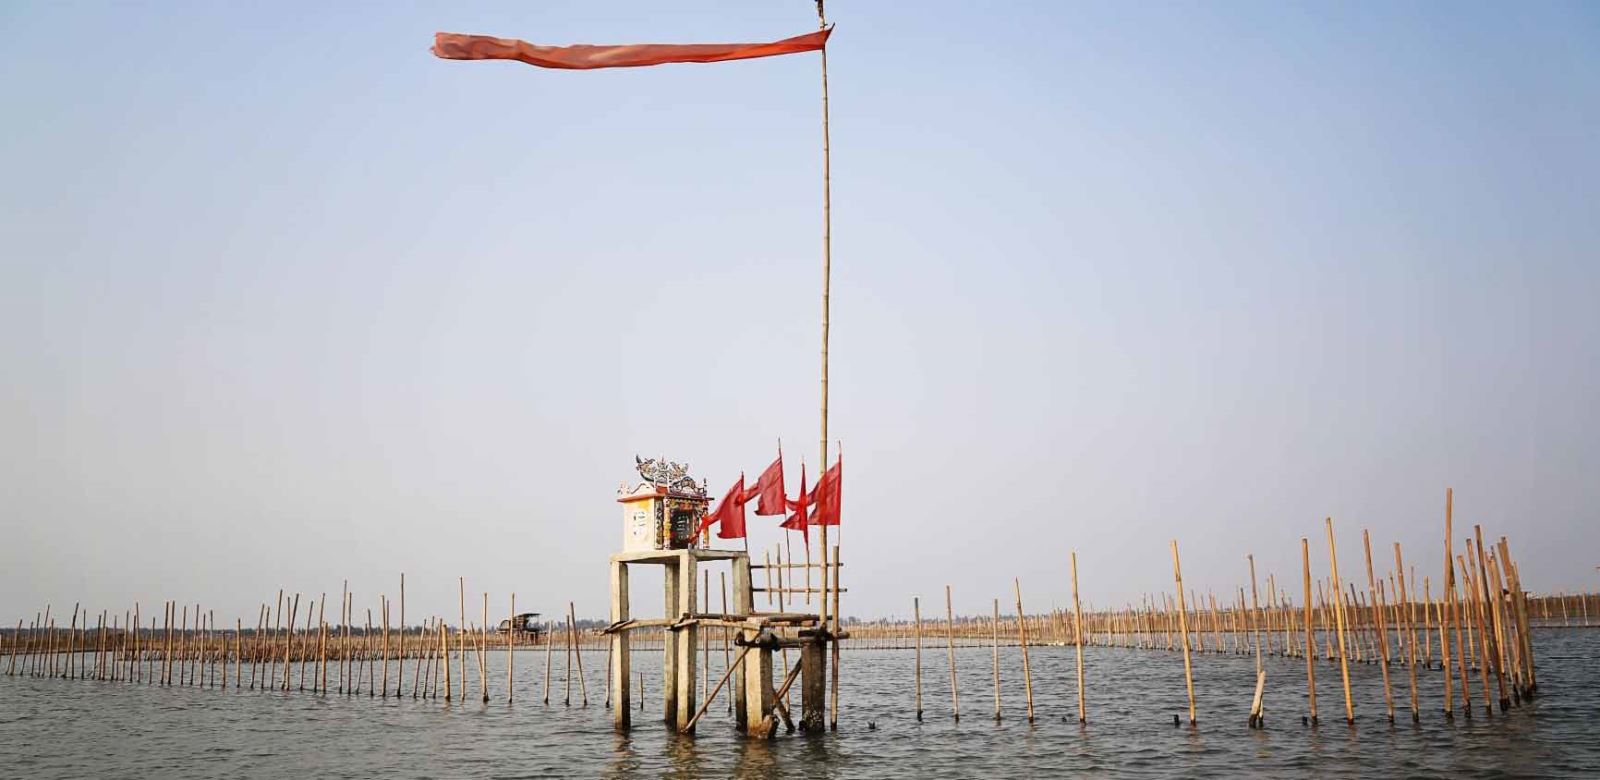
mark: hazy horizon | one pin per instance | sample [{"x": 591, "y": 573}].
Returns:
[{"x": 288, "y": 301}]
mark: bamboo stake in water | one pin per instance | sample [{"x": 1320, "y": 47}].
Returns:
[
  {"x": 343, "y": 634},
  {"x": 367, "y": 655},
  {"x": 461, "y": 637},
  {"x": 483, "y": 651},
  {"x": 1475, "y": 625},
  {"x": 549, "y": 641},
  {"x": 1338, "y": 615},
  {"x": 419, "y": 685},
  {"x": 950, "y": 650},
  {"x": 444, "y": 652},
  {"x": 1492, "y": 607},
  {"x": 1310, "y": 619},
  {"x": 400, "y": 683},
  {"x": 384, "y": 604},
  {"x": 572, "y": 620},
  {"x": 1411, "y": 630},
  {"x": 1255, "y": 624},
  {"x": 995, "y": 632},
  {"x": 288, "y": 646},
  {"x": 916, "y": 612},
  {"x": 1381, "y": 624},
  {"x": 511, "y": 633},
  {"x": 1022, "y": 636},
  {"x": 1183, "y": 629},
  {"x": 1449, "y": 586},
  {"x": 322, "y": 643},
  {"x": 566, "y": 690},
  {"x": 1077, "y": 630}
]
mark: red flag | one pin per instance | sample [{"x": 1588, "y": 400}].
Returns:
[
  {"x": 457, "y": 46},
  {"x": 769, "y": 489},
  {"x": 731, "y": 523},
  {"x": 729, "y": 514},
  {"x": 797, "y": 521},
  {"x": 826, "y": 495}
]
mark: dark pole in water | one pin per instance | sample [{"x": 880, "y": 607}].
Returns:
[{"x": 1077, "y": 630}]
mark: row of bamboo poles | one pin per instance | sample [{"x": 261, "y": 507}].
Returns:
[
  {"x": 1479, "y": 624},
  {"x": 1128, "y": 626},
  {"x": 287, "y": 650},
  {"x": 1483, "y": 621},
  {"x": 284, "y": 652}
]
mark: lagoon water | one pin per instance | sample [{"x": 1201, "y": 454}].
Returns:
[{"x": 78, "y": 729}]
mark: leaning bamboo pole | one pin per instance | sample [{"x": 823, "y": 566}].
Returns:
[
  {"x": 1339, "y": 617},
  {"x": 1492, "y": 614},
  {"x": 1183, "y": 630},
  {"x": 1379, "y": 623},
  {"x": 572, "y": 621},
  {"x": 1022, "y": 638},
  {"x": 1475, "y": 618}
]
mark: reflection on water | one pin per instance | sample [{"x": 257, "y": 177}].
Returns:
[{"x": 74, "y": 729}]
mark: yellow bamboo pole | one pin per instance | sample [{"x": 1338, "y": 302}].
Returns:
[
  {"x": 1410, "y": 617},
  {"x": 950, "y": 650},
  {"x": 1311, "y": 649},
  {"x": 1338, "y": 614},
  {"x": 1183, "y": 630},
  {"x": 1022, "y": 637},
  {"x": 1381, "y": 624},
  {"x": 1449, "y": 605}
]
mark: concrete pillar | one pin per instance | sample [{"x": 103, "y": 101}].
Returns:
[
  {"x": 757, "y": 689},
  {"x": 741, "y": 606},
  {"x": 813, "y": 685},
  {"x": 687, "y": 638},
  {"x": 669, "y": 647},
  {"x": 620, "y": 671}
]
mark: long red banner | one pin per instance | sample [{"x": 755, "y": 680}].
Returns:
[{"x": 457, "y": 46}]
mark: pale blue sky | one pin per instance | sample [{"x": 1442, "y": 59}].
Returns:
[{"x": 286, "y": 300}]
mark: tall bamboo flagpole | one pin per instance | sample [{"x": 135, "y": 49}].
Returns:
[{"x": 827, "y": 268}]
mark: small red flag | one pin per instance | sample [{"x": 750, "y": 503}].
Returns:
[
  {"x": 797, "y": 521},
  {"x": 826, "y": 495},
  {"x": 769, "y": 489},
  {"x": 457, "y": 46}
]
